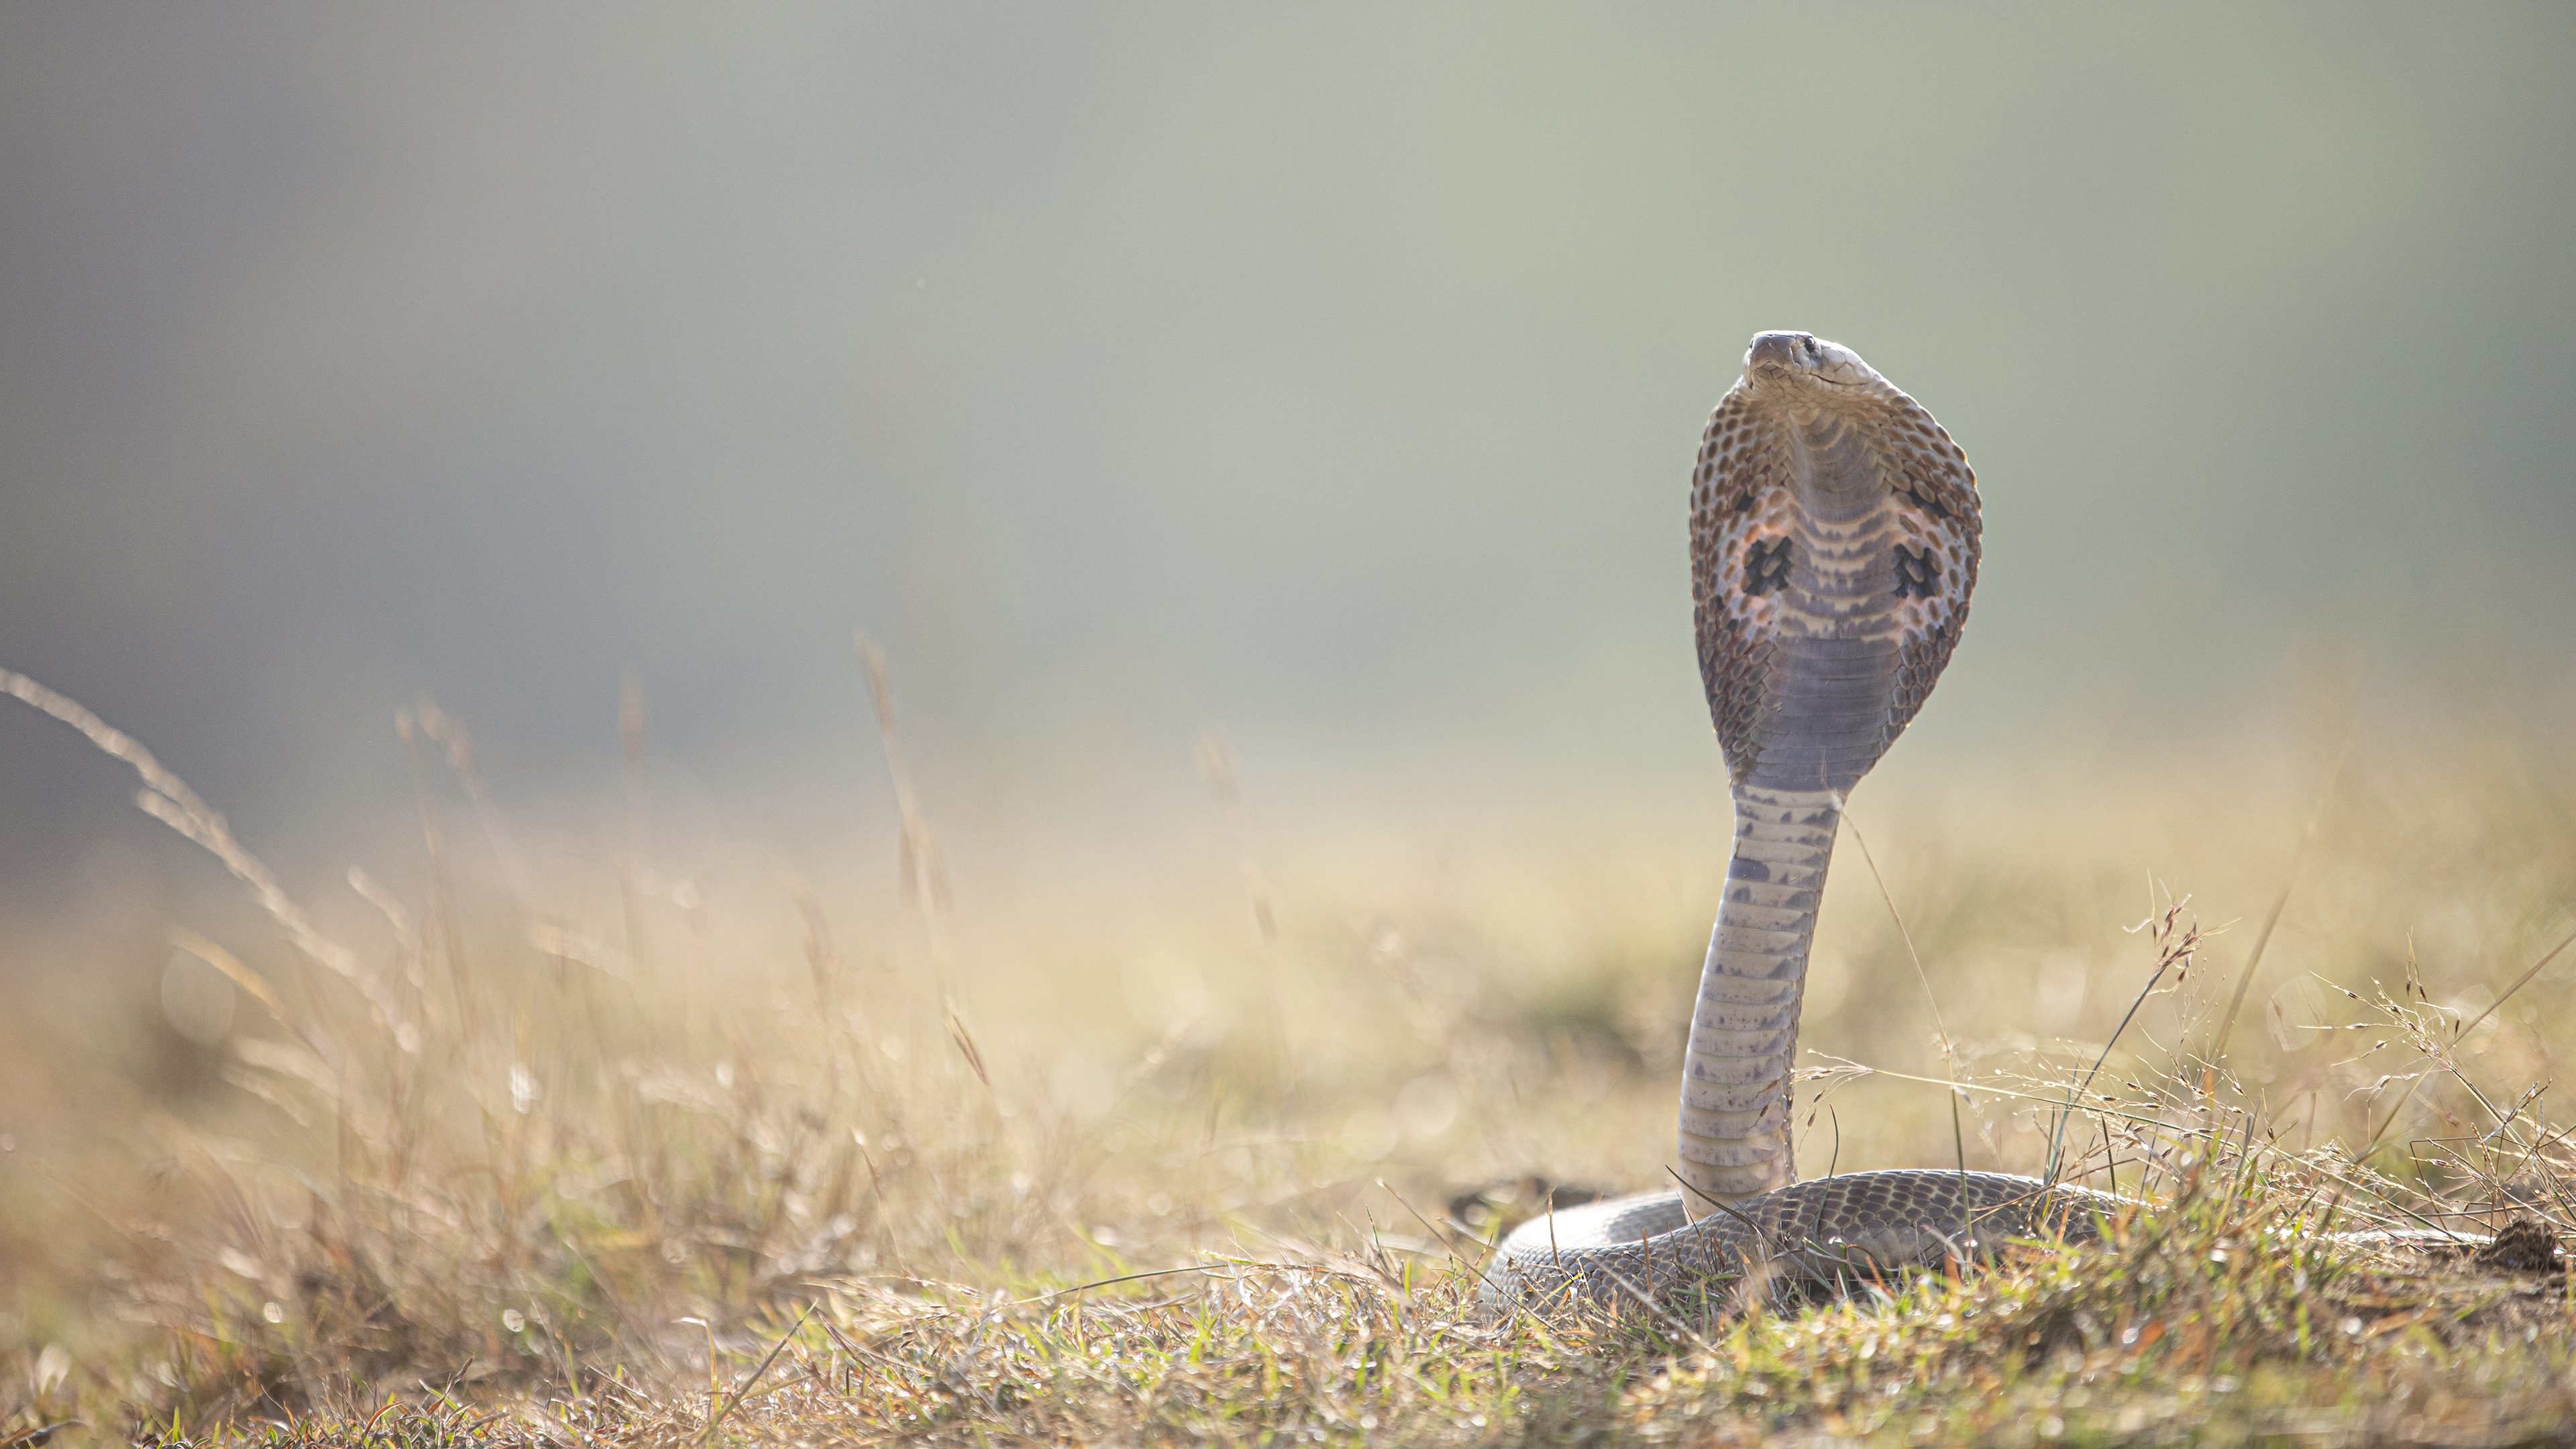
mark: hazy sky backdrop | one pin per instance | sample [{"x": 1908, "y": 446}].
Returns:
[{"x": 1329, "y": 372}]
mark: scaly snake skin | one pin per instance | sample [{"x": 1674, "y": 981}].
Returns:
[{"x": 1834, "y": 532}]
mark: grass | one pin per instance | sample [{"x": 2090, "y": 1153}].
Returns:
[{"x": 566, "y": 1143}]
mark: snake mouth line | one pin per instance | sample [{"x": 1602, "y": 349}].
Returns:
[{"x": 1775, "y": 371}]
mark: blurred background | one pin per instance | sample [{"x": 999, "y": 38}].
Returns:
[
  {"x": 1330, "y": 377},
  {"x": 1160, "y": 385},
  {"x": 1258, "y": 440}
]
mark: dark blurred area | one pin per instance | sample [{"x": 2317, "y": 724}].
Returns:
[{"x": 1329, "y": 373}]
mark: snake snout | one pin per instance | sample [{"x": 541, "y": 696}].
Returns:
[
  {"x": 1781, "y": 351},
  {"x": 1795, "y": 359}
]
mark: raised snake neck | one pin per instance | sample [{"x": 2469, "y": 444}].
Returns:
[{"x": 1835, "y": 540}]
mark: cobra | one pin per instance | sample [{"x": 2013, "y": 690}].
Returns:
[{"x": 1834, "y": 547}]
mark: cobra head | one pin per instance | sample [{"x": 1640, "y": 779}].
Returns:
[{"x": 1802, "y": 370}]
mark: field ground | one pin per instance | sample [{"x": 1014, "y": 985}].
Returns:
[{"x": 567, "y": 1143}]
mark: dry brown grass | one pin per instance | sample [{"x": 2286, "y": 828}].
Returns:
[{"x": 572, "y": 1148}]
